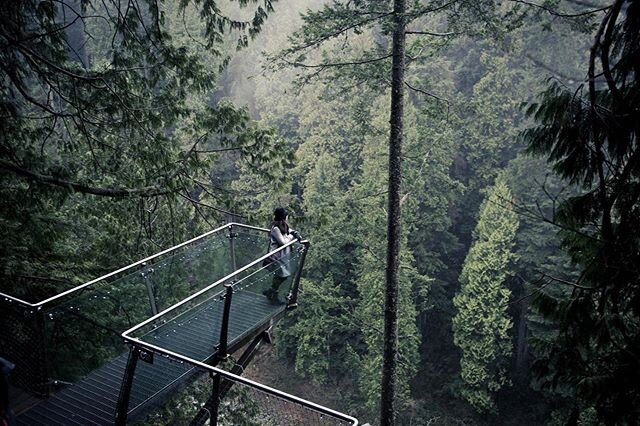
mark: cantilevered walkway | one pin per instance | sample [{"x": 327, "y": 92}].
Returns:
[{"x": 180, "y": 313}]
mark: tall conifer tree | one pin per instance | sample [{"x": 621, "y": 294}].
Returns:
[
  {"x": 590, "y": 135},
  {"x": 482, "y": 324},
  {"x": 390, "y": 352}
]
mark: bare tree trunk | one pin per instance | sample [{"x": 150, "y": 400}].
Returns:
[{"x": 390, "y": 355}]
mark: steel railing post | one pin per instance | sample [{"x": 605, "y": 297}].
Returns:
[
  {"x": 122, "y": 409},
  {"x": 295, "y": 288},
  {"x": 224, "y": 328},
  {"x": 215, "y": 397},
  {"x": 150, "y": 293},
  {"x": 232, "y": 242},
  {"x": 41, "y": 331}
]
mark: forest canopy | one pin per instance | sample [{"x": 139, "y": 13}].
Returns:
[
  {"x": 117, "y": 100},
  {"x": 129, "y": 126}
]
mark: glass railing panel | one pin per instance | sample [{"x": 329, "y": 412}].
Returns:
[
  {"x": 249, "y": 244},
  {"x": 21, "y": 344},
  {"x": 182, "y": 406},
  {"x": 205, "y": 308},
  {"x": 175, "y": 277},
  {"x": 192, "y": 328},
  {"x": 250, "y": 405},
  {"x": 241, "y": 405},
  {"x": 274, "y": 281},
  {"x": 216, "y": 396},
  {"x": 82, "y": 330},
  {"x": 151, "y": 383}
]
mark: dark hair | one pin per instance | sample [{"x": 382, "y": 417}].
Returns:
[
  {"x": 280, "y": 214},
  {"x": 280, "y": 219}
]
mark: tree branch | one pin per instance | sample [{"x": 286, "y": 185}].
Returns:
[
  {"x": 340, "y": 64},
  {"x": 336, "y": 33},
  {"x": 449, "y": 34},
  {"x": 604, "y": 52},
  {"x": 199, "y": 203},
  {"x": 34, "y": 57},
  {"x": 584, "y": 3},
  {"x": 18, "y": 85},
  {"x": 559, "y": 14},
  {"x": 424, "y": 92},
  {"x": 147, "y": 191},
  {"x": 418, "y": 13},
  {"x": 544, "y": 66},
  {"x": 569, "y": 283}
]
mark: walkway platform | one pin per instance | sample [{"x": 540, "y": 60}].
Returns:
[
  {"x": 93, "y": 399},
  {"x": 179, "y": 312}
]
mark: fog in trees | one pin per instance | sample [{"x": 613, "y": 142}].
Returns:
[{"x": 517, "y": 297}]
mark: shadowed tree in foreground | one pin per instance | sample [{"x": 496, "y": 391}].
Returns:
[{"x": 591, "y": 137}]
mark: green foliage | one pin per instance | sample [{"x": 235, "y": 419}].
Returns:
[
  {"x": 537, "y": 193},
  {"x": 338, "y": 184},
  {"x": 139, "y": 116},
  {"x": 493, "y": 123},
  {"x": 481, "y": 326},
  {"x": 318, "y": 335},
  {"x": 110, "y": 140},
  {"x": 369, "y": 314},
  {"x": 590, "y": 137}
]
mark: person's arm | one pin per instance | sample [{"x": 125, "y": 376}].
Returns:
[{"x": 277, "y": 235}]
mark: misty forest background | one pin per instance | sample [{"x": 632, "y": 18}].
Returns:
[{"x": 128, "y": 127}]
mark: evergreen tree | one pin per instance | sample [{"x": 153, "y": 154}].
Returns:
[
  {"x": 391, "y": 305},
  {"x": 590, "y": 135},
  {"x": 370, "y": 238},
  {"x": 109, "y": 136},
  {"x": 481, "y": 326},
  {"x": 540, "y": 256}
]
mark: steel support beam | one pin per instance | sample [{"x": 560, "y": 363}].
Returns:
[
  {"x": 211, "y": 406},
  {"x": 122, "y": 409}
]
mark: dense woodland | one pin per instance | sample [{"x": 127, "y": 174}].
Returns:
[{"x": 128, "y": 126}]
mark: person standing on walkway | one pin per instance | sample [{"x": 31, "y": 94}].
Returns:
[{"x": 279, "y": 235}]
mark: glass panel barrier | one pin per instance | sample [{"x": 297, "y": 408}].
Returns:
[
  {"x": 82, "y": 330},
  {"x": 175, "y": 277},
  {"x": 217, "y": 396},
  {"x": 178, "y": 298},
  {"x": 257, "y": 407},
  {"x": 193, "y": 327},
  {"x": 21, "y": 344},
  {"x": 241, "y": 404},
  {"x": 249, "y": 245}
]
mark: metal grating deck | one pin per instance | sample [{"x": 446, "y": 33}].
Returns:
[{"x": 93, "y": 400}]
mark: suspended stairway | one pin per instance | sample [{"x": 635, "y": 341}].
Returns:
[{"x": 119, "y": 347}]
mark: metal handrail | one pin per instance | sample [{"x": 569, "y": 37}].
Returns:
[
  {"x": 40, "y": 304},
  {"x": 150, "y": 347},
  {"x": 264, "y": 388},
  {"x": 223, "y": 280}
]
